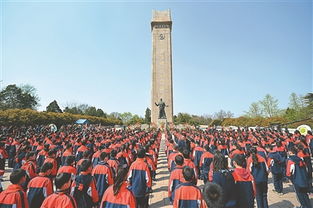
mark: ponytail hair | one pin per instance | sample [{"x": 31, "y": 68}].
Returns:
[
  {"x": 253, "y": 152},
  {"x": 120, "y": 178}
]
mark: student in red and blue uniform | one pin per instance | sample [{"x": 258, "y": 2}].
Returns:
[
  {"x": 139, "y": 179},
  {"x": 61, "y": 198},
  {"x": 51, "y": 159},
  {"x": 171, "y": 158},
  {"x": 176, "y": 176},
  {"x": 245, "y": 188},
  {"x": 205, "y": 162},
  {"x": 67, "y": 153},
  {"x": 14, "y": 195},
  {"x": 41, "y": 156},
  {"x": 224, "y": 178},
  {"x": 40, "y": 187},
  {"x": 276, "y": 164},
  {"x": 197, "y": 153},
  {"x": 213, "y": 195},
  {"x": 81, "y": 149},
  {"x": 96, "y": 156},
  {"x": 102, "y": 174},
  {"x": 187, "y": 194},
  {"x": 86, "y": 156},
  {"x": 30, "y": 167},
  {"x": 305, "y": 155},
  {"x": 118, "y": 195},
  {"x": 84, "y": 187},
  {"x": 68, "y": 167},
  {"x": 113, "y": 162},
  {"x": 188, "y": 162},
  {"x": 257, "y": 165},
  {"x": 297, "y": 173}
]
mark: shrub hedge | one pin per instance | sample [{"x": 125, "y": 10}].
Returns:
[
  {"x": 20, "y": 117},
  {"x": 245, "y": 121}
]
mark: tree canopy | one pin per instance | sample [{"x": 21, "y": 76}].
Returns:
[{"x": 18, "y": 97}]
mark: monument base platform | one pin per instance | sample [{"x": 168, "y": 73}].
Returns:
[{"x": 162, "y": 123}]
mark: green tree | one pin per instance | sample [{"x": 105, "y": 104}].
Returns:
[
  {"x": 15, "y": 97},
  {"x": 126, "y": 117},
  {"x": 183, "y": 118},
  {"x": 308, "y": 98},
  {"x": 53, "y": 107},
  {"x": 115, "y": 115},
  {"x": 73, "y": 110},
  {"x": 297, "y": 107},
  {"x": 255, "y": 110},
  {"x": 148, "y": 116},
  {"x": 100, "y": 113},
  {"x": 31, "y": 90},
  {"x": 136, "y": 120},
  {"x": 269, "y": 106},
  {"x": 90, "y": 111}
]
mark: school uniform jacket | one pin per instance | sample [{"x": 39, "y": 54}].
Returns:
[
  {"x": 54, "y": 169},
  {"x": 260, "y": 171},
  {"x": 176, "y": 178},
  {"x": 68, "y": 169},
  {"x": 59, "y": 200},
  {"x": 225, "y": 179},
  {"x": 124, "y": 198},
  {"x": 41, "y": 157},
  {"x": 103, "y": 176},
  {"x": 66, "y": 154},
  {"x": 84, "y": 190},
  {"x": 276, "y": 163},
  {"x": 197, "y": 153},
  {"x": 297, "y": 171},
  {"x": 187, "y": 195},
  {"x": 139, "y": 178},
  {"x": 80, "y": 151},
  {"x": 245, "y": 188},
  {"x": 30, "y": 168},
  {"x": 205, "y": 163},
  {"x": 113, "y": 164},
  {"x": 39, "y": 188},
  {"x": 13, "y": 197}
]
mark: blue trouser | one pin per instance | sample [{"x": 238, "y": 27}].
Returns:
[
  {"x": 278, "y": 182},
  {"x": 261, "y": 194},
  {"x": 303, "y": 197}
]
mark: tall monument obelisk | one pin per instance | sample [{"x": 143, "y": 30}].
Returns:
[{"x": 162, "y": 86}]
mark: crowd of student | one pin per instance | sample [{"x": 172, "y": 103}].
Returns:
[
  {"x": 235, "y": 165},
  {"x": 80, "y": 167},
  {"x": 90, "y": 166}
]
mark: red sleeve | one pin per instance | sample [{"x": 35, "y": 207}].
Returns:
[
  {"x": 132, "y": 201},
  {"x": 288, "y": 171},
  {"x": 149, "y": 180},
  {"x": 110, "y": 178},
  {"x": 49, "y": 188},
  {"x": 170, "y": 181},
  {"x": 94, "y": 192},
  {"x": 175, "y": 202},
  {"x": 20, "y": 200}
]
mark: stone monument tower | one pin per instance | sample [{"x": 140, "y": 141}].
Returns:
[{"x": 162, "y": 86}]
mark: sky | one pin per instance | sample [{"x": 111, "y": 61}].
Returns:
[{"x": 226, "y": 54}]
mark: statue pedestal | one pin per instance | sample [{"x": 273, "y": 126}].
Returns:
[{"x": 162, "y": 123}]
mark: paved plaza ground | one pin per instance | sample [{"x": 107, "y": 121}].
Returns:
[{"x": 159, "y": 196}]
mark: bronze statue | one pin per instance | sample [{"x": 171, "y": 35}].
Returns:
[{"x": 161, "y": 106}]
